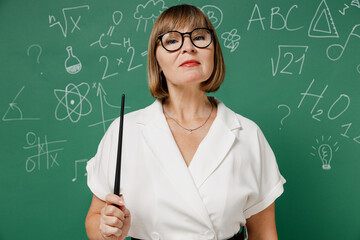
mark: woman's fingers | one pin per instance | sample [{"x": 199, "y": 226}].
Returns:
[
  {"x": 114, "y": 199},
  {"x": 113, "y": 218},
  {"x": 109, "y": 231},
  {"x": 111, "y": 210},
  {"x": 112, "y": 221}
]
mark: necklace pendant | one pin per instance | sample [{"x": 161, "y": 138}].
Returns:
[{"x": 190, "y": 131}]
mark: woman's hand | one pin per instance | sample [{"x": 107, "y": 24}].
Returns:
[{"x": 114, "y": 221}]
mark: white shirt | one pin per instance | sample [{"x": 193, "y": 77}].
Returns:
[{"x": 232, "y": 176}]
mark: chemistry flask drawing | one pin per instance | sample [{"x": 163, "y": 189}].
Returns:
[{"x": 72, "y": 63}]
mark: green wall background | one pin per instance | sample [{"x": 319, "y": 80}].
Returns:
[{"x": 292, "y": 66}]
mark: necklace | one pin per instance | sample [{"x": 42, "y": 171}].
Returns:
[{"x": 190, "y": 130}]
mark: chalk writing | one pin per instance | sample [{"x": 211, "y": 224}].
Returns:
[
  {"x": 275, "y": 11},
  {"x": 287, "y": 114},
  {"x": 106, "y": 74},
  {"x": 44, "y": 152},
  {"x": 131, "y": 67},
  {"x": 214, "y": 14},
  {"x": 337, "y": 108},
  {"x": 259, "y": 18},
  {"x": 290, "y": 51},
  {"x": 278, "y": 21},
  {"x": 14, "y": 112},
  {"x": 68, "y": 12},
  {"x": 322, "y": 24},
  {"x": 117, "y": 17},
  {"x": 73, "y": 103},
  {"x": 39, "y": 49}
]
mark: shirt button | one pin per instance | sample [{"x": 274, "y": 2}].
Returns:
[
  {"x": 209, "y": 235},
  {"x": 155, "y": 236}
]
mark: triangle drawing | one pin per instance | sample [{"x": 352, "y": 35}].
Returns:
[
  {"x": 322, "y": 25},
  {"x": 355, "y": 3}
]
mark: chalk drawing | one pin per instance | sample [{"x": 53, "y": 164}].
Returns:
[
  {"x": 44, "y": 152},
  {"x": 102, "y": 98},
  {"x": 214, "y": 14},
  {"x": 322, "y": 24},
  {"x": 39, "y": 51},
  {"x": 148, "y": 12},
  {"x": 287, "y": 114},
  {"x": 72, "y": 62},
  {"x": 344, "y": 9},
  {"x": 14, "y": 112},
  {"x": 231, "y": 39},
  {"x": 76, "y": 168},
  {"x": 358, "y": 68},
  {"x": 325, "y": 152},
  {"x": 332, "y": 52},
  {"x": 355, "y": 3},
  {"x": 73, "y": 103},
  {"x": 65, "y": 12},
  {"x": 291, "y": 52}
]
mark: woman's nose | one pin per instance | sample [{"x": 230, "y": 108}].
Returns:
[{"x": 187, "y": 45}]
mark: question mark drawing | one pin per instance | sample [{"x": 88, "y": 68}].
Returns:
[
  {"x": 40, "y": 51},
  {"x": 39, "y": 54},
  {"x": 283, "y": 105}
]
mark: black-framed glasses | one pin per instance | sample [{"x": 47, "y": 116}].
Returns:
[{"x": 173, "y": 40}]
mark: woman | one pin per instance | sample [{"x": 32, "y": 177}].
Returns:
[{"x": 191, "y": 168}]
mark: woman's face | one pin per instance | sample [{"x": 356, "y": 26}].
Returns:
[{"x": 187, "y": 66}]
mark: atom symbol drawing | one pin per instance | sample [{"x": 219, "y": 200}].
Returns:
[{"x": 72, "y": 102}]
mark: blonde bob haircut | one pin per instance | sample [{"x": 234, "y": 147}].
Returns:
[{"x": 173, "y": 18}]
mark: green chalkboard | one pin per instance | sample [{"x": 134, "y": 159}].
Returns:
[{"x": 292, "y": 66}]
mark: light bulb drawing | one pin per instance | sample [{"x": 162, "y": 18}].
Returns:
[{"x": 325, "y": 152}]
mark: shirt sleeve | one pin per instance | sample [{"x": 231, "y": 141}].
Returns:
[
  {"x": 101, "y": 168},
  {"x": 269, "y": 180}
]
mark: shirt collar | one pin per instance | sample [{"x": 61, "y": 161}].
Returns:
[{"x": 154, "y": 112}]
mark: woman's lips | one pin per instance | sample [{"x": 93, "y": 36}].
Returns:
[{"x": 190, "y": 63}]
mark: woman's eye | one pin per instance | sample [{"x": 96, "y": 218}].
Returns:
[
  {"x": 198, "y": 38},
  {"x": 171, "y": 41}
]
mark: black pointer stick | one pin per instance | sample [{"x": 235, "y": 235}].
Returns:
[{"x": 118, "y": 162}]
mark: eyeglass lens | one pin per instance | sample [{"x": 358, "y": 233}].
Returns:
[{"x": 172, "y": 41}]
